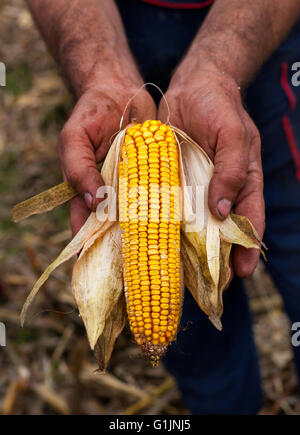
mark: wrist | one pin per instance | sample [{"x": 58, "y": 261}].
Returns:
[
  {"x": 227, "y": 52},
  {"x": 202, "y": 70},
  {"x": 115, "y": 77}
]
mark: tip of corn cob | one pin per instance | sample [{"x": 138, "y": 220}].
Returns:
[{"x": 154, "y": 352}]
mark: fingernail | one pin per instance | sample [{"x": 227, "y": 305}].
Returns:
[
  {"x": 88, "y": 200},
  {"x": 224, "y": 207}
]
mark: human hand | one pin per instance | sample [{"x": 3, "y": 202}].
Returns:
[
  {"x": 206, "y": 104},
  {"x": 85, "y": 140}
]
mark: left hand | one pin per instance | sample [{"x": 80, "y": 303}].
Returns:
[{"x": 206, "y": 104}]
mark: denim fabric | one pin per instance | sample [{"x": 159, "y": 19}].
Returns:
[{"x": 218, "y": 372}]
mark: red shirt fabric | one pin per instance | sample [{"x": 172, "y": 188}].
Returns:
[{"x": 180, "y": 4}]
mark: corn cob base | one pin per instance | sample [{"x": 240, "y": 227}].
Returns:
[{"x": 150, "y": 228}]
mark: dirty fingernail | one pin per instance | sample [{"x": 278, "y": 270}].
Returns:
[
  {"x": 88, "y": 200},
  {"x": 224, "y": 207}
]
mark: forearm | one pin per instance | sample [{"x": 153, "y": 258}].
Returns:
[
  {"x": 238, "y": 36},
  {"x": 87, "y": 40}
]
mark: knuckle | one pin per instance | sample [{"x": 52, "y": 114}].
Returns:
[
  {"x": 255, "y": 132},
  {"x": 236, "y": 128},
  {"x": 72, "y": 176},
  {"x": 255, "y": 173},
  {"x": 64, "y": 137},
  {"x": 233, "y": 178},
  {"x": 255, "y": 136},
  {"x": 258, "y": 180}
]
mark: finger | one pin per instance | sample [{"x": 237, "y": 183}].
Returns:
[
  {"x": 78, "y": 160},
  {"x": 251, "y": 204},
  {"x": 79, "y": 213},
  {"x": 245, "y": 260},
  {"x": 230, "y": 171}
]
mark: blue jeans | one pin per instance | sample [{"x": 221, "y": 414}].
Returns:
[{"x": 218, "y": 372}]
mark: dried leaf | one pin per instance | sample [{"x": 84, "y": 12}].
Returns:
[
  {"x": 44, "y": 201},
  {"x": 197, "y": 277},
  {"x": 225, "y": 274},
  {"x": 76, "y": 244},
  {"x": 97, "y": 282},
  {"x": 246, "y": 226},
  {"x": 114, "y": 325},
  {"x": 91, "y": 227},
  {"x": 232, "y": 233},
  {"x": 213, "y": 249}
]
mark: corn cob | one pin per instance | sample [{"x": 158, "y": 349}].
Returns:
[{"x": 150, "y": 228}]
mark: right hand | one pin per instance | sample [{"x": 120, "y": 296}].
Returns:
[{"x": 85, "y": 140}]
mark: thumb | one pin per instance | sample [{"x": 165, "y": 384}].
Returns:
[
  {"x": 78, "y": 160},
  {"x": 230, "y": 172}
]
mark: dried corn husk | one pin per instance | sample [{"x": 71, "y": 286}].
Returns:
[
  {"x": 206, "y": 250},
  {"x": 114, "y": 325},
  {"x": 97, "y": 283},
  {"x": 91, "y": 230}
]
